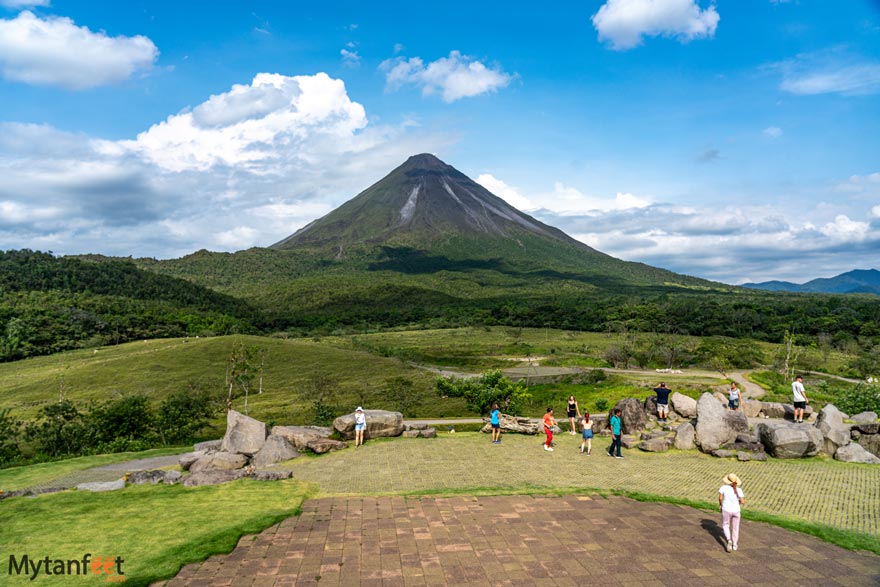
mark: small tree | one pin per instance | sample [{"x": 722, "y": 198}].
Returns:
[
  {"x": 184, "y": 413},
  {"x": 243, "y": 365},
  {"x": 479, "y": 394},
  {"x": 9, "y": 429}
]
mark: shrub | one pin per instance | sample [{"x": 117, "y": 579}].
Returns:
[
  {"x": 479, "y": 394},
  {"x": 859, "y": 398},
  {"x": 183, "y": 414},
  {"x": 601, "y": 404}
]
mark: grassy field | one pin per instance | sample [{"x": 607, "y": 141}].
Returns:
[{"x": 194, "y": 523}]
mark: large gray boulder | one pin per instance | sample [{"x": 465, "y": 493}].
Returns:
[
  {"x": 219, "y": 461},
  {"x": 685, "y": 437},
  {"x": 751, "y": 407},
  {"x": 773, "y": 409},
  {"x": 632, "y": 415},
  {"x": 379, "y": 423},
  {"x": 868, "y": 428},
  {"x": 786, "y": 440},
  {"x": 855, "y": 453},
  {"x": 657, "y": 444},
  {"x": 187, "y": 459},
  {"x": 836, "y": 433},
  {"x": 212, "y": 477},
  {"x": 300, "y": 436},
  {"x": 100, "y": 486},
  {"x": 208, "y": 445},
  {"x": 244, "y": 435},
  {"x": 275, "y": 450},
  {"x": 871, "y": 443},
  {"x": 515, "y": 424},
  {"x": 322, "y": 445},
  {"x": 143, "y": 477},
  {"x": 865, "y": 418},
  {"x": 684, "y": 405},
  {"x": 717, "y": 425}
]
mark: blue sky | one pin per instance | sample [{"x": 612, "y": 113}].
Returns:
[{"x": 736, "y": 140}]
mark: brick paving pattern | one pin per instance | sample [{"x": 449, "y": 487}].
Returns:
[
  {"x": 827, "y": 492},
  {"x": 520, "y": 541}
]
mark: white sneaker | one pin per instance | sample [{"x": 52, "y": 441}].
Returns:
[
  {"x": 735, "y": 546},
  {"x": 548, "y": 448},
  {"x": 729, "y": 546}
]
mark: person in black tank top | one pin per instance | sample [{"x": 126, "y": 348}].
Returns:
[{"x": 573, "y": 412}]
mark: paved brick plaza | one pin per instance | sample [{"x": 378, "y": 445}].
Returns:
[{"x": 521, "y": 541}]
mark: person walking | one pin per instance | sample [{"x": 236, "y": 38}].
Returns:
[
  {"x": 549, "y": 423},
  {"x": 731, "y": 499},
  {"x": 662, "y": 402},
  {"x": 573, "y": 412},
  {"x": 800, "y": 399},
  {"x": 614, "y": 423},
  {"x": 733, "y": 397},
  {"x": 360, "y": 424},
  {"x": 495, "y": 416},
  {"x": 587, "y": 434}
]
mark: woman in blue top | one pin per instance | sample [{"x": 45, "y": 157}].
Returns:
[
  {"x": 615, "y": 434},
  {"x": 496, "y": 424}
]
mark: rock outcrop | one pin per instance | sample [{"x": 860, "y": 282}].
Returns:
[
  {"x": 275, "y": 450},
  {"x": 685, "y": 436},
  {"x": 855, "y": 453},
  {"x": 516, "y": 424},
  {"x": 244, "y": 435},
  {"x": 632, "y": 415},
  {"x": 322, "y": 445},
  {"x": 786, "y": 440},
  {"x": 684, "y": 405},
  {"x": 717, "y": 425},
  {"x": 219, "y": 461},
  {"x": 865, "y": 418},
  {"x": 380, "y": 423},
  {"x": 836, "y": 433},
  {"x": 300, "y": 436}
]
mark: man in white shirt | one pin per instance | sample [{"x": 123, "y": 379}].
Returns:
[{"x": 800, "y": 398}]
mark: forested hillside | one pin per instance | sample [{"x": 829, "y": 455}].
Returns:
[{"x": 49, "y": 304}]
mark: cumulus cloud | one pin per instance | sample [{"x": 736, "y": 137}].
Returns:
[
  {"x": 54, "y": 51},
  {"x": 623, "y": 23},
  {"x": 245, "y": 167},
  {"x": 454, "y": 77},
  {"x": 504, "y": 191}
]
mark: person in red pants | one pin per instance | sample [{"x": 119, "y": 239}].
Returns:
[{"x": 549, "y": 423}]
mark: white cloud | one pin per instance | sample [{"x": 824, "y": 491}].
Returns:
[
  {"x": 831, "y": 71},
  {"x": 844, "y": 229},
  {"x": 18, "y": 4},
  {"x": 505, "y": 192},
  {"x": 623, "y": 23},
  {"x": 257, "y": 126},
  {"x": 875, "y": 212},
  {"x": 567, "y": 200},
  {"x": 54, "y": 51},
  {"x": 398, "y": 48},
  {"x": 350, "y": 58},
  {"x": 774, "y": 132},
  {"x": 245, "y": 167},
  {"x": 454, "y": 77}
]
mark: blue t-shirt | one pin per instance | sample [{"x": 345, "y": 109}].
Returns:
[
  {"x": 662, "y": 394},
  {"x": 615, "y": 425},
  {"x": 495, "y": 414}
]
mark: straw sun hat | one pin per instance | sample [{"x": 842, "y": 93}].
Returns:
[{"x": 730, "y": 479}]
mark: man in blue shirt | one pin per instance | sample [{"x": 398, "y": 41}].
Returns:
[
  {"x": 662, "y": 402},
  {"x": 615, "y": 434}
]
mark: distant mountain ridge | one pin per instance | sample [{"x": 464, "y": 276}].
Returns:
[{"x": 855, "y": 281}]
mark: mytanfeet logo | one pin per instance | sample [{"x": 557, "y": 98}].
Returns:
[{"x": 108, "y": 566}]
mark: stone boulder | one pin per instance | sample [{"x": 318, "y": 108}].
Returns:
[
  {"x": 773, "y": 409},
  {"x": 143, "y": 477},
  {"x": 871, "y": 443},
  {"x": 723, "y": 453},
  {"x": 300, "y": 436},
  {"x": 629, "y": 441},
  {"x": 172, "y": 477},
  {"x": 516, "y": 424},
  {"x": 187, "y": 459},
  {"x": 836, "y": 433},
  {"x": 651, "y": 405},
  {"x": 275, "y": 450},
  {"x": 100, "y": 486},
  {"x": 865, "y": 418},
  {"x": 428, "y": 433},
  {"x": 416, "y": 426},
  {"x": 751, "y": 407},
  {"x": 270, "y": 475},
  {"x": 717, "y": 425},
  {"x": 214, "y": 477},
  {"x": 632, "y": 415},
  {"x": 855, "y": 453},
  {"x": 208, "y": 445},
  {"x": 244, "y": 435},
  {"x": 322, "y": 445},
  {"x": 411, "y": 433},
  {"x": 685, "y": 437},
  {"x": 219, "y": 461},
  {"x": 867, "y": 428},
  {"x": 657, "y": 444},
  {"x": 786, "y": 440},
  {"x": 379, "y": 423},
  {"x": 684, "y": 405}
]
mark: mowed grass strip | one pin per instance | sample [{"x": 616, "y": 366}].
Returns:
[{"x": 155, "y": 529}]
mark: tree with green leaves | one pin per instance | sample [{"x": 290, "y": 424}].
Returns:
[{"x": 479, "y": 394}]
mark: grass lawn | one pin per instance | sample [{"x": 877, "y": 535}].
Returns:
[
  {"x": 22, "y": 477},
  {"x": 155, "y": 529}
]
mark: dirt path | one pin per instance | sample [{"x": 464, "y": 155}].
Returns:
[{"x": 749, "y": 390}]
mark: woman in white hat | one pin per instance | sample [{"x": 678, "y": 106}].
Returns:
[
  {"x": 731, "y": 500},
  {"x": 360, "y": 424}
]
